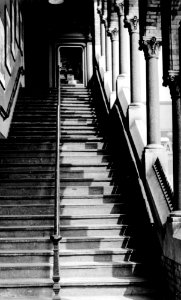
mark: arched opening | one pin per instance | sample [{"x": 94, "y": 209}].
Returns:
[{"x": 71, "y": 62}]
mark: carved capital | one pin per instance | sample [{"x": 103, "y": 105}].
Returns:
[
  {"x": 174, "y": 85},
  {"x": 151, "y": 47},
  {"x": 104, "y": 19},
  {"x": 132, "y": 24},
  {"x": 120, "y": 7},
  {"x": 114, "y": 34}
]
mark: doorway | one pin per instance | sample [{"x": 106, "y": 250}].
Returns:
[{"x": 71, "y": 63}]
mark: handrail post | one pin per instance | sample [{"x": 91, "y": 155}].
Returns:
[{"x": 56, "y": 237}]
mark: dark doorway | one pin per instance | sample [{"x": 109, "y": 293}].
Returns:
[{"x": 71, "y": 63}]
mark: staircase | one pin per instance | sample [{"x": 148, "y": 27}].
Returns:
[{"x": 99, "y": 253}]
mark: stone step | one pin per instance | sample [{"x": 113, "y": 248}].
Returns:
[
  {"x": 67, "y": 270},
  {"x": 24, "y": 231},
  {"x": 25, "y": 243},
  {"x": 27, "y": 146},
  {"x": 68, "y": 256},
  {"x": 73, "y": 220},
  {"x": 31, "y": 132},
  {"x": 81, "y": 146},
  {"x": 49, "y": 200},
  {"x": 27, "y": 153},
  {"x": 75, "y": 243},
  {"x": 26, "y": 289},
  {"x": 79, "y": 121},
  {"x": 95, "y": 243},
  {"x": 44, "y": 190},
  {"x": 64, "y": 209},
  {"x": 27, "y": 160},
  {"x": 65, "y": 182},
  {"x": 66, "y": 230},
  {"x": 105, "y": 286}
]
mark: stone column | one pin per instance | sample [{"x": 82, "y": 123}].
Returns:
[
  {"x": 103, "y": 37},
  {"x": 124, "y": 67},
  {"x": 115, "y": 57},
  {"x": 175, "y": 91},
  {"x": 151, "y": 49},
  {"x": 135, "y": 75},
  {"x": 97, "y": 30},
  {"x": 89, "y": 59},
  {"x": 108, "y": 51}
]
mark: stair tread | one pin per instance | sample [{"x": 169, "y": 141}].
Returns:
[
  {"x": 75, "y": 280},
  {"x": 67, "y": 251},
  {"x": 97, "y": 216}
]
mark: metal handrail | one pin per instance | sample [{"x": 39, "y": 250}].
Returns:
[{"x": 56, "y": 237}]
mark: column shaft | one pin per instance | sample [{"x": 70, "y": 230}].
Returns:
[
  {"x": 153, "y": 105},
  {"x": 103, "y": 37},
  {"x": 108, "y": 53},
  {"x": 123, "y": 61},
  {"x": 115, "y": 58},
  {"x": 135, "y": 67},
  {"x": 89, "y": 61},
  {"x": 151, "y": 49}
]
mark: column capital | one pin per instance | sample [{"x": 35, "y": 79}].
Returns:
[
  {"x": 151, "y": 47},
  {"x": 103, "y": 19},
  {"x": 120, "y": 7},
  {"x": 174, "y": 84},
  {"x": 114, "y": 34},
  {"x": 132, "y": 24}
]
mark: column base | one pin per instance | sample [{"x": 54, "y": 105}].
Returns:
[{"x": 136, "y": 111}]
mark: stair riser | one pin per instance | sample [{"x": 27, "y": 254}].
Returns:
[
  {"x": 25, "y": 233},
  {"x": 108, "y": 290},
  {"x": 100, "y": 271},
  {"x": 23, "y": 177},
  {"x": 67, "y": 210},
  {"x": 95, "y": 244},
  {"x": 25, "y": 245},
  {"x": 26, "y": 258},
  {"x": 28, "y": 146},
  {"x": 64, "y": 160},
  {"x": 26, "y": 210},
  {"x": 86, "y": 272},
  {"x": 102, "y": 258},
  {"x": 66, "y": 191},
  {"x": 72, "y": 221},
  {"x": 30, "y": 290},
  {"x": 92, "y": 201},
  {"x": 94, "y": 232},
  {"x": 83, "y": 258},
  {"x": 26, "y": 272}
]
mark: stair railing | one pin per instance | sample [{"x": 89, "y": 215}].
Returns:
[{"x": 56, "y": 237}]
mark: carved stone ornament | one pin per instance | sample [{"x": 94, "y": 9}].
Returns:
[
  {"x": 120, "y": 7},
  {"x": 174, "y": 85},
  {"x": 132, "y": 24},
  {"x": 151, "y": 47},
  {"x": 114, "y": 34}
]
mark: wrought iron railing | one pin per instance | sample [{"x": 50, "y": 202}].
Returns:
[{"x": 56, "y": 237}]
